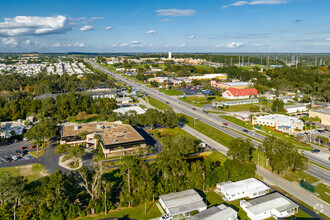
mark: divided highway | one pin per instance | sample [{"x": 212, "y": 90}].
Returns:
[{"x": 211, "y": 120}]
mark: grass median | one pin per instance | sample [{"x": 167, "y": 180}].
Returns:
[{"x": 158, "y": 104}]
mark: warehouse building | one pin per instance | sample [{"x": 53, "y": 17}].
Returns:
[
  {"x": 220, "y": 212},
  {"x": 323, "y": 114},
  {"x": 183, "y": 202},
  {"x": 245, "y": 188},
  {"x": 273, "y": 205}
]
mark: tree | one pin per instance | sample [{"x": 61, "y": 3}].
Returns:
[
  {"x": 76, "y": 152},
  {"x": 283, "y": 156},
  {"x": 83, "y": 134},
  {"x": 241, "y": 150},
  {"x": 61, "y": 149},
  {"x": 278, "y": 106},
  {"x": 46, "y": 128}
]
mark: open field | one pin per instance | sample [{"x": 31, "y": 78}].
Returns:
[
  {"x": 245, "y": 124},
  {"x": 31, "y": 172},
  {"x": 158, "y": 104},
  {"x": 171, "y": 92}
]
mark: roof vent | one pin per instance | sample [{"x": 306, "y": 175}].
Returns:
[
  {"x": 99, "y": 126},
  {"x": 76, "y": 127}
]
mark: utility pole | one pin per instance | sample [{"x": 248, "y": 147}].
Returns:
[
  {"x": 242, "y": 60},
  {"x": 129, "y": 188},
  {"x": 239, "y": 60}
]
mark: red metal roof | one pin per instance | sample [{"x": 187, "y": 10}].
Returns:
[{"x": 242, "y": 92}]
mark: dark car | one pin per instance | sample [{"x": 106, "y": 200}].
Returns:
[
  {"x": 167, "y": 102},
  {"x": 205, "y": 111},
  {"x": 193, "y": 108},
  {"x": 315, "y": 151},
  {"x": 8, "y": 159},
  {"x": 245, "y": 130}
]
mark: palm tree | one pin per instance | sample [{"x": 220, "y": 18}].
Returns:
[{"x": 37, "y": 142}]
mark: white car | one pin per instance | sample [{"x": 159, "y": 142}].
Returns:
[
  {"x": 14, "y": 157},
  {"x": 166, "y": 217}
]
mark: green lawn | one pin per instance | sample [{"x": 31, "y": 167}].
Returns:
[
  {"x": 259, "y": 157},
  {"x": 323, "y": 191},
  {"x": 216, "y": 156},
  {"x": 31, "y": 172},
  {"x": 162, "y": 132},
  {"x": 245, "y": 124},
  {"x": 238, "y": 108},
  {"x": 171, "y": 92},
  {"x": 297, "y": 176},
  {"x": 158, "y": 104},
  {"x": 199, "y": 101},
  {"x": 207, "y": 130},
  {"x": 134, "y": 212},
  {"x": 215, "y": 112}
]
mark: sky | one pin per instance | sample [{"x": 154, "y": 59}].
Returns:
[{"x": 162, "y": 26}]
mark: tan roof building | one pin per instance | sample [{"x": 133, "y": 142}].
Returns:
[
  {"x": 323, "y": 114},
  {"x": 115, "y": 137}
]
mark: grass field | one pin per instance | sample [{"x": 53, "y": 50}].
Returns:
[
  {"x": 171, "y": 92},
  {"x": 199, "y": 101},
  {"x": 323, "y": 191},
  {"x": 207, "y": 130},
  {"x": 238, "y": 108},
  {"x": 245, "y": 124},
  {"x": 158, "y": 104},
  {"x": 216, "y": 156},
  {"x": 133, "y": 212},
  {"x": 31, "y": 172}
]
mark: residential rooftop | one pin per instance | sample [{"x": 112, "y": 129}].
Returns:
[
  {"x": 215, "y": 212},
  {"x": 251, "y": 184}
]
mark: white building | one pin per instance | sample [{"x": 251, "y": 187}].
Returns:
[
  {"x": 182, "y": 202},
  {"x": 14, "y": 127},
  {"x": 124, "y": 100},
  {"x": 245, "y": 188},
  {"x": 129, "y": 109},
  {"x": 279, "y": 122},
  {"x": 170, "y": 55},
  {"x": 295, "y": 108},
  {"x": 220, "y": 212},
  {"x": 273, "y": 205}
]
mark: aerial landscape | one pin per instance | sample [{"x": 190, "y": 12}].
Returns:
[{"x": 164, "y": 110}]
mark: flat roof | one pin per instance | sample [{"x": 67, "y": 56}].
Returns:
[
  {"x": 124, "y": 110},
  {"x": 250, "y": 184},
  {"x": 269, "y": 202},
  {"x": 183, "y": 202},
  {"x": 110, "y": 132},
  {"x": 280, "y": 118},
  {"x": 215, "y": 212},
  {"x": 323, "y": 111}
]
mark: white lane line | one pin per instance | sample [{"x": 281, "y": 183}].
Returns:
[{"x": 2, "y": 159}]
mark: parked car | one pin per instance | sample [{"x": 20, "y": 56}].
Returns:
[
  {"x": 8, "y": 159},
  {"x": 166, "y": 217},
  {"x": 14, "y": 157},
  {"x": 22, "y": 148},
  {"x": 315, "y": 151},
  {"x": 193, "y": 108},
  {"x": 33, "y": 146},
  {"x": 25, "y": 139}
]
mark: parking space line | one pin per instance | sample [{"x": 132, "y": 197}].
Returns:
[{"x": 3, "y": 159}]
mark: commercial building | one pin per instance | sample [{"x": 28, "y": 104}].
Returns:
[
  {"x": 226, "y": 85},
  {"x": 124, "y": 100},
  {"x": 103, "y": 93},
  {"x": 220, "y": 212},
  {"x": 182, "y": 202},
  {"x": 323, "y": 114},
  {"x": 233, "y": 93},
  {"x": 242, "y": 116},
  {"x": 295, "y": 108},
  {"x": 210, "y": 76},
  {"x": 279, "y": 122},
  {"x": 245, "y": 188},
  {"x": 234, "y": 102},
  {"x": 124, "y": 110},
  {"x": 273, "y": 205},
  {"x": 11, "y": 127},
  {"x": 115, "y": 137}
]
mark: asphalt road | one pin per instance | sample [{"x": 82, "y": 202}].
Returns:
[
  {"x": 319, "y": 173},
  {"x": 313, "y": 157}
]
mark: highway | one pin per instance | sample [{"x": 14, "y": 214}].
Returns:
[
  {"x": 319, "y": 173},
  {"x": 210, "y": 119}
]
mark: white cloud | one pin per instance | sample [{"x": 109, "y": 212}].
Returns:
[
  {"x": 182, "y": 45},
  {"x": 123, "y": 44},
  {"x": 87, "y": 28},
  {"x": 134, "y": 43},
  {"x": 68, "y": 45},
  {"x": 165, "y": 20},
  {"x": 10, "y": 42},
  {"x": 173, "y": 12},
  {"x": 235, "y": 45},
  {"x": 328, "y": 38},
  {"x": 96, "y": 18},
  {"x": 192, "y": 36},
  {"x": 27, "y": 42},
  {"x": 256, "y": 2},
  {"x": 108, "y": 28},
  {"x": 219, "y": 45},
  {"x": 152, "y": 32},
  {"x": 34, "y": 25}
]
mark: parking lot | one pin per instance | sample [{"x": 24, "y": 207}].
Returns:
[{"x": 8, "y": 151}]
